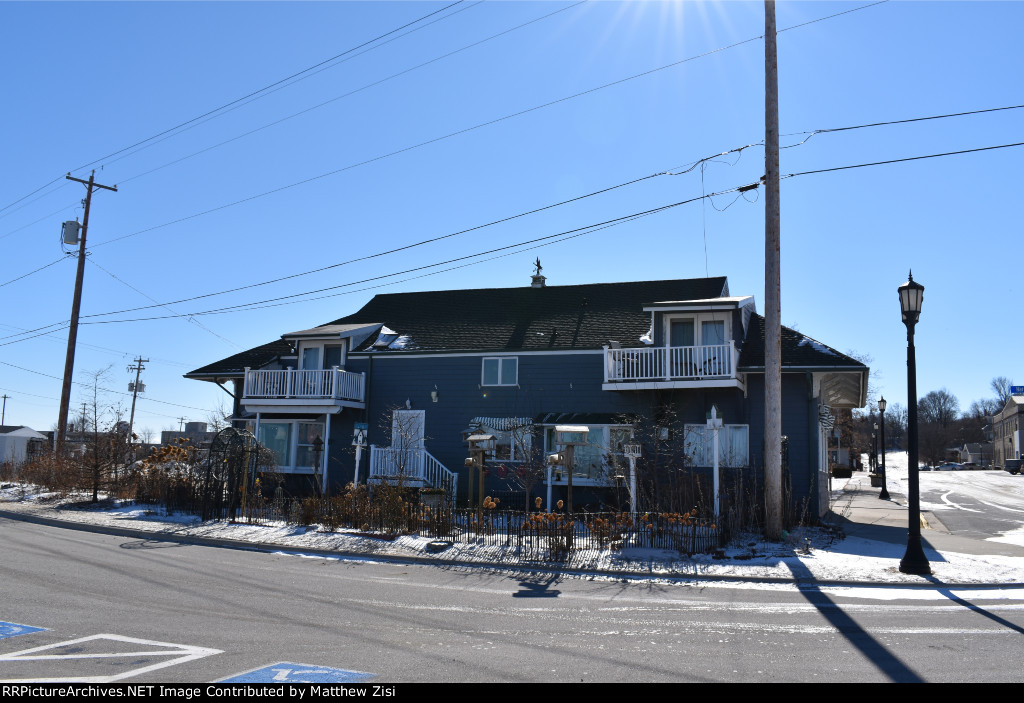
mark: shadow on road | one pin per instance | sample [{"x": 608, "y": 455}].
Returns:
[
  {"x": 873, "y": 650},
  {"x": 976, "y": 608},
  {"x": 539, "y": 587}
]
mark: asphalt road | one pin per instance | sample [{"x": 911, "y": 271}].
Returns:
[
  {"x": 978, "y": 504},
  {"x": 171, "y": 613}
]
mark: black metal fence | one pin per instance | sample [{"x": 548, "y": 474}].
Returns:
[{"x": 538, "y": 535}]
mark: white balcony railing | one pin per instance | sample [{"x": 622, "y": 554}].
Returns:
[
  {"x": 326, "y": 384},
  {"x": 699, "y": 363},
  {"x": 411, "y": 464}
]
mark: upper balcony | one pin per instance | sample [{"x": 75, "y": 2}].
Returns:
[
  {"x": 706, "y": 366},
  {"x": 299, "y": 391}
]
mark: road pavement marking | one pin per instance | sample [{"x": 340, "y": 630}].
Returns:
[
  {"x": 13, "y": 629},
  {"x": 181, "y": 653},
  {"x": 954, "y": 505},
  {"x": 1001, "y": 507},
  {"x": 290, "y": 672}
]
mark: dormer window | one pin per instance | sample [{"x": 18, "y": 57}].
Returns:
[
  {"x": 696, "y": 330},
  {"x": 316, "y": 356}
]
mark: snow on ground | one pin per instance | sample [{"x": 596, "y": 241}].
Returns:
[{"x": 807, "y": 554}]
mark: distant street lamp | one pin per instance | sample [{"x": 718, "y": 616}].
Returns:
[
  {"x": 914, "y": 561},
  {"x": 874, "y": 449},
  {"x": 884, "y": 495}
]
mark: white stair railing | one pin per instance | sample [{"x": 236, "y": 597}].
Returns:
[{"x": 412, "y": 465}]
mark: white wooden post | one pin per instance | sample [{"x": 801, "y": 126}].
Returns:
[
  {"x": 715, "y": 424},
  {"x": 326, "y": 456},
  {"x": 549, "y": 488}
]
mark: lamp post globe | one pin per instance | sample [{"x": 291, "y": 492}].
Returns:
[{"x": 914, "y": 561}]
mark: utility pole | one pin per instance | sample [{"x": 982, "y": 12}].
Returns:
[
  {"x": 136, "y": 389},
  {"x": 76, "y": 304},
  {"x": 3, "y": 413},
  {"x": 181, "y": 424},
  {"x": 772, "y": 286}
]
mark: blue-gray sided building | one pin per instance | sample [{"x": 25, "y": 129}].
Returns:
[{"x": 635, "y": 362}]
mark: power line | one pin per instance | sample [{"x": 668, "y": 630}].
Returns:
[
  {"x": 577, "y": 231},
  {"x": 574, "y": 232},
  {"x": 811, "y": 133},
  {"x": 909, "y": 158},
  {"x": 44, "y": 217},
  {"x": 740, "y": 190},
  {"x": 105, "y": 390},
  {"x": 238, "y": 100},
  {"x": 163, "y": 305},
  {"x": 441, "y": 138},
  {"x": 41, "y": 268},
  {"x": 385, "y": 252},
  {"x": 675, "y": 172},
  {"x": 351, "y": 92}
]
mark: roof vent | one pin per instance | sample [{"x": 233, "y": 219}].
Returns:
[{"x": 537, "y": 280}]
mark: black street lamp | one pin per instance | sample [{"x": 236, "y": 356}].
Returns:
[
  {"x": 914, "y": 561},
  {"x": 884, "y": 495}
]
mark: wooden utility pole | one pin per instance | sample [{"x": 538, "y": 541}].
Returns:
[
  {"x": 772, "y": 286},
  {"x": 3, "y": 413},
  {"x": 76, "y": 304},
  {"x": 138, "y": 368}
]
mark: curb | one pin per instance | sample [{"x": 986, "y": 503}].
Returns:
[{"x": 270, "y": 547}]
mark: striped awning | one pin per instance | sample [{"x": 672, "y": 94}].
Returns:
[{"x": 502, "y": 424}]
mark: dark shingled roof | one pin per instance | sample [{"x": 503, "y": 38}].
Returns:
[
  {"x": 797, "y": 349},
  {"x": 526, "y": 318},
  {"x": 254, "y": 358}
]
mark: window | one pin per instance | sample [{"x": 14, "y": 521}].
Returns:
[
  {"x": 321, "y": 357},
  {"x": 732, "y": 445},
  {"x": 277, "y": 437},
  {"x": 595, "y": 461},
  {"x": 305, "y": 437},
  {"x": 697, "y": 330},
  {"x": 292, "y": 443},
  {"x": 513, "y": 437},
  {"x": 500, "y": 371}
]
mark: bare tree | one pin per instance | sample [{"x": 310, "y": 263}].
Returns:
[
  {"x": 219, "y": 418},
  {"x": 940, "y": 407},
  {"x": 895, "y": 425},
  {"x": 1001, "y": 387},
  {"x": 106, "y": 441}
]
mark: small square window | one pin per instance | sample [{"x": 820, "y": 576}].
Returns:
[{"x": 500, "y": 371}]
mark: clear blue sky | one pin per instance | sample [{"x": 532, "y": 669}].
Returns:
[{"x": 86, "y": 80}]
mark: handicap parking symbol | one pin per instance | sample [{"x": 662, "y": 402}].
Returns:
[
  {"x": 13, "y": 629},
  {"x": 290, "y": 672}
]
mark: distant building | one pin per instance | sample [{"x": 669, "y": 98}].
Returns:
[
  {"x": 19, "y": 444},
  {"x": 195, "y": 432},
  {"x": 1006, "y": 430}
]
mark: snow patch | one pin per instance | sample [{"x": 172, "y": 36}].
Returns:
[{"x": 817, "y": 346}]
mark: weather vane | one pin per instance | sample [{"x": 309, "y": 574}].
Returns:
[{"x": 539, "y": 267}]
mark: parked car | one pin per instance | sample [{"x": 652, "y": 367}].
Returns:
[
  {"x": 926, "y": 467},
  {"x": 948, "y": 466},
  {"x": 1012, "y": 465}
]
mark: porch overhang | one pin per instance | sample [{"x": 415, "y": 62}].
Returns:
[
  {"x": 310, "y": 406},
  {"x": 680, "y": 385}
]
